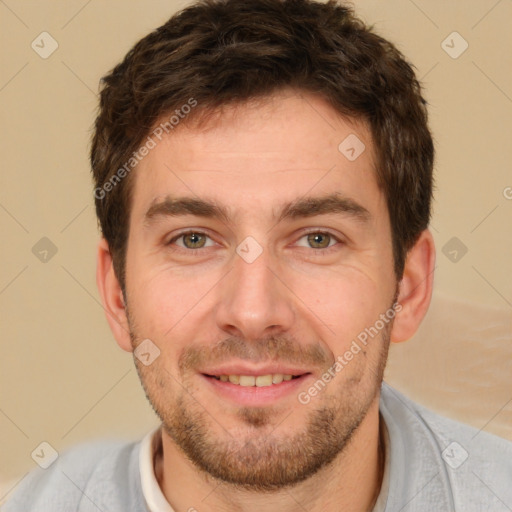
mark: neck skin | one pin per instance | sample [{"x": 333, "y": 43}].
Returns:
[{"x": 351, "y": 483}]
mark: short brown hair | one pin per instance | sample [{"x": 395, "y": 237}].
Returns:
[{"x": 222, "y": 52}]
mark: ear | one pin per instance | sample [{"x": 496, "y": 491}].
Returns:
[
  {"x": 415, "y": 289},
  {"x": 112, "y": 297}
]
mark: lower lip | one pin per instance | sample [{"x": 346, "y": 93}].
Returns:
[{"x": 254, "y": 395}]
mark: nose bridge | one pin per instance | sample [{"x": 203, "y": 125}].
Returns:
[{"x": 252, "y": 300}]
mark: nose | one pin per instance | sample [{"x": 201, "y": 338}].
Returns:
[{"x": 254, "y": 300}]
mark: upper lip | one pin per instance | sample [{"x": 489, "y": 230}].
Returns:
[{"x": 244, "y": 369}]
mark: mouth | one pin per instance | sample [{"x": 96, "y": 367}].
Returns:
[
  {"x": 269, "y": 379},
  {"x": 255, "y": 388}
]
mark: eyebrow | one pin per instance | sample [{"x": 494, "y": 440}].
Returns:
[{"x": 300, "y": 208}]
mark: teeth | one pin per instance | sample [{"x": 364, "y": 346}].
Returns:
[
  {"x": 247, "y": 380},
  {"x": 259, "y": 381},
  {"x": 263, "y": 380},
  {"x": 277, "y": 378}
]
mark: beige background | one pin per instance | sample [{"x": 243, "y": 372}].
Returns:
[{"x": 63, "y": 378}]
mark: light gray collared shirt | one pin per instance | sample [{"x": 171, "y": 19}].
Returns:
[{"x": 432, "y": 463}]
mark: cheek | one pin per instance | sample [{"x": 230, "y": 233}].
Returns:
[
  {"x": 169, "y": 304},
  {"x": 154, "y": 304},
  {"x": 347, "y": 302}
]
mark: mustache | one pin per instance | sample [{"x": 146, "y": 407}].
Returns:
[{"x": 273, "y": 348}]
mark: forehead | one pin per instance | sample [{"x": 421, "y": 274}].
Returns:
[{"x": 257, "y": 157}]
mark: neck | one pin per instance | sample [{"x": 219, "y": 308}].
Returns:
[{"x": 351, "y": 482}]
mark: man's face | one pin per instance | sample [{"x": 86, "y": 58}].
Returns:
[{"x": 267, "y": 290}]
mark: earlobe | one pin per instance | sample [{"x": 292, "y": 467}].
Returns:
[
  {"x": 415, "y": 291},
  {"x": 112, "y": 297}
]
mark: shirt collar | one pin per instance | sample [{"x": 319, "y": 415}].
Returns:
[{"x": 155, "y": 499}]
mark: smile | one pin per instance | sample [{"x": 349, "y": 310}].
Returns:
[
  {"x": 255, "y": 380},
  {"x": 256, "y": 390}
]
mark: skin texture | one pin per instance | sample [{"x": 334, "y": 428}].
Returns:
[{"x": 300, "y": 303}]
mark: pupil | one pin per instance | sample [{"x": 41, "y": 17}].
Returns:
[
  {"x": 317, "y": 239},
  {"x": 194, "y": 238}
]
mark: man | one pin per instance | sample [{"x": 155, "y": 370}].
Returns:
[{"x": 263, "y": 174}]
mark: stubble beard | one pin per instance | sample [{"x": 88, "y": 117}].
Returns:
[{"x": 259, "y": 459}]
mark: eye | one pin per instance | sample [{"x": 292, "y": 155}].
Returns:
[
  {"x": 319, "y": 240},
  {"x": 191, "y": 240}
]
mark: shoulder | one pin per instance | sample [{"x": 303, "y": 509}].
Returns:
[
  {"x": 479, "y": 464},
  {"x": 475, "y": 467},
  {"x": 445, "y": 431},
  {"x": 85, "y": 477}
]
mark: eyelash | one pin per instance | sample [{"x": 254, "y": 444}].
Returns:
[{"x": 197, "y": 251}]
